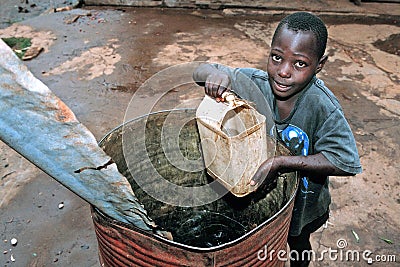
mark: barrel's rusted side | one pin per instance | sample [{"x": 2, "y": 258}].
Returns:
[
  {"x": 122, "y": 246},
  {"x": 261, "y": 247}
]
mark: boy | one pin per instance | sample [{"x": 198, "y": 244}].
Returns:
[{"x": 307, "y": 118}]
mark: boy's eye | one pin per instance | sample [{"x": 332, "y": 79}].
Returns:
[
  {"x": 300, "y": 64},
  {"x": 276, "y": 58}
]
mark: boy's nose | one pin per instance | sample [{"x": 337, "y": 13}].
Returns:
[{"x": 284, "y": 70}]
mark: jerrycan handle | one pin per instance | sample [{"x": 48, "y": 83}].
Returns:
[
  {"x": 213, "y": 113},
  {"x": 232, "y": 100}
]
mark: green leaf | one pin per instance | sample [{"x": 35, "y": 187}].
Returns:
[
  {"x": 18, "y": 44},
  {"x": 355, "y": 236},
  {"x": 386, "y": 240}
]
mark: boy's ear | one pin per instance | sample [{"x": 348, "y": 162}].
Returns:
[{"x": 321, "y": 63}]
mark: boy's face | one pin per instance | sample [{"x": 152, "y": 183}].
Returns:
[{"x": 293, "y": 61}]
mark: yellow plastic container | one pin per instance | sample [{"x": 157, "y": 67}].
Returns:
[{"x": 234, "y": 141}]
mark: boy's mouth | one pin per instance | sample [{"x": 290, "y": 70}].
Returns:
[{"x": 281, "y": 87}]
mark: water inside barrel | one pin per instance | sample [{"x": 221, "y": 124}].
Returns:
[{"x": 202, "y": 228}]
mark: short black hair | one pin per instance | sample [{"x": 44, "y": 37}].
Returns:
[{"x": 304, "y": 21}]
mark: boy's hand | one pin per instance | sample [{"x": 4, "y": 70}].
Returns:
[
  {"x": 216, "y": 84},
  {"x": 265, "y": 174},
  {"x": 214, "y": 81}
]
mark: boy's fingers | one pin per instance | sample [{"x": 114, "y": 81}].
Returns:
[
  {"x": 257, "y": 176},
  {"x": 262, "y": 174},
  {"x": 221, "y": 90},
  {"x": 215, "y": 85},
  {"x": 208, "y": 86},
  {"x": 215, "y": 88},
  {"x": 254, "y": 181}
]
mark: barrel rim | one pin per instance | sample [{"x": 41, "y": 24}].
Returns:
[{"x": 110, "y": 220}]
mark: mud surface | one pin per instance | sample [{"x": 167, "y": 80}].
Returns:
[
  {"x": 390, "y": 44},
  {"x": 95, "y": 60}
]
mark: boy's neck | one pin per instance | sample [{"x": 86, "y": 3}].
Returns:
[{"x": 286, "y": 106}]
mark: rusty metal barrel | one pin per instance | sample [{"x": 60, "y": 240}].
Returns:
[{"x": 230, "y": 231}]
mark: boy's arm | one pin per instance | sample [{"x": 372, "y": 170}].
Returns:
[
  {"x": 214, "y": 81},
  {"x": 316, "y": 165}
]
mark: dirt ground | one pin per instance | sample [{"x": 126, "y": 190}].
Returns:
[{"x": 95, "y": 59}]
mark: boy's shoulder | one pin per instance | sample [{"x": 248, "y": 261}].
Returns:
[
  {"x": 254, "y": 73},
  {"x": 318, "y": 88}
]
